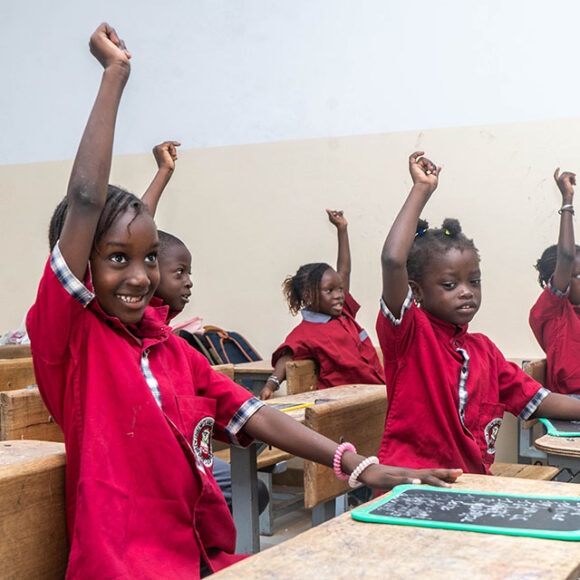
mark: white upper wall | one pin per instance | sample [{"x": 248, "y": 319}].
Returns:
[{"x": 218, "y": 72}]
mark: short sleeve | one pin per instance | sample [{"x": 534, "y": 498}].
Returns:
[
  {"x": 395, "y": 334},
  {"x": 546, "y": 314},
  {"x": 520, "y": 394},
  {"x": 234, "y": 404},
  {"x": 294, "y": 345},
  {"x": 351, "y": 306},
  {"x": 61, "y": 300}
]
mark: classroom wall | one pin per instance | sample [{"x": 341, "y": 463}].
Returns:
[{"x": 252, "y": 214}]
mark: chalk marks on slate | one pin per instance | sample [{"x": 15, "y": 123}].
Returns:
[{"x": 477, "y": 509}]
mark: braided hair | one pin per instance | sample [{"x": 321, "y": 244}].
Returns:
[
  {"x": 118, "y": 202},
  {"x": 303, "y": 289},
  {"x": 429, "y": 242},
  {"x": 546, "y": 265}
]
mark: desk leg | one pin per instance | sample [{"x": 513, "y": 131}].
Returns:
[{"x": 245, "y": 499}]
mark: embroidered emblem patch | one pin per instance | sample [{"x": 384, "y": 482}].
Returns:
[
  {"x": 202, "y": 440},
  {"x": 491, "y": 433}
]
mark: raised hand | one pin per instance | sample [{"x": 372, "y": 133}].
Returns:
[
  {"x": 566, "y": 183},
  {"x": 423, "y": 171},
  {"x": 166, "y": 154},
  {"x": 337, "y": 218},
  {"x": 108, "y": 48}
]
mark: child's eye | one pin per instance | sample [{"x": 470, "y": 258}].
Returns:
[
  {"x": 151, "y": 258},
  {"x": 180, "y": 271},
  {"x": 476, "y": 282},
  {"x": 118, "y": 258},
  {"x": 448, "y": 285}
]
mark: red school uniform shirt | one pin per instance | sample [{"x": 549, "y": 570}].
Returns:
[
  {"x": 448, "y": 390},
  {"x": 141, "y": 501},
  {"x": 341, "y": 347},
  {"x": 555, "y": 322}
]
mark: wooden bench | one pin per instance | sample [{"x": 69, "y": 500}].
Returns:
[
  {"x": 15, "y": 351},
  {"x": 360, "y": 420},
  {"x": 227, "y": 370},
  {"x": 16, "y": 373},
  {"x": 302, "y": 375},
  {"x": 540, "y": 472},
  {"x": 23, "y": 415},
  {"x": 33, "y": 540}
]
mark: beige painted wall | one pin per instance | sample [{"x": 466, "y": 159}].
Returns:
[{"x": 253, "y": 214}]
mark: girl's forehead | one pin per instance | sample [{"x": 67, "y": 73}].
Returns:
[
  {"x": 456, "y": 258},
  {"x": 131, "y": 228}
]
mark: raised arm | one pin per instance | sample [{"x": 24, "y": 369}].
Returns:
[
  {"x": 277, "y": 429},
  {"x": 165, "y": 155},
  {"x": 398, "y": 244},
  {"x": 87, "y": 188},
  {"x": 566, "y": 244},
  {"x": 338, "y": 220}
]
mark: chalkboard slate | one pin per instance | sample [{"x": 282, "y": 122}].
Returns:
[
  {"x": 513, "y": 515},
  {"x": 559, "y": 428}
]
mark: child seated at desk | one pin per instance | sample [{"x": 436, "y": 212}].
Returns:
[
  {"x": 328, "y": 333},
  {"x": 448, "y": 388},
  {"x": 555, "y": 317}
]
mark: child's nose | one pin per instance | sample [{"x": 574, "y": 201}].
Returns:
[
  {"x": 138, "y": 277},
  {"x": 188, "y": 282},
  {"x": 466, "y": 292}
]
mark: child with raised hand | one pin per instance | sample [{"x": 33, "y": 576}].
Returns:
[
  {"x": 448, "y": 388},
  {"x": 165, "y": 155},
  {"x": 555, "y": 317},
  {"x": 328, "y": 333},
  {"x": 137, "y": 405}
]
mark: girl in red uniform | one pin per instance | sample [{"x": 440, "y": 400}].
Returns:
[
  {"x": 448, "y": 389},
  {"x": 328, "y": 333},
  {"x": 555, "y": 317},
  {"x": 137, "y": 405}
]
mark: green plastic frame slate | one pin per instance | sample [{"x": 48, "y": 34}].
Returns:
[
  {"x": 553, "y": 429},
  {"x": 364, "y": 513}
]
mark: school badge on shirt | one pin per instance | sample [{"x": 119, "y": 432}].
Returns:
[
  {"x": 202, "y": 440},
  {"x": 491, "y": 433}
]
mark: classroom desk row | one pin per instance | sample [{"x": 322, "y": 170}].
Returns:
[{"x": 344, "y": 548}]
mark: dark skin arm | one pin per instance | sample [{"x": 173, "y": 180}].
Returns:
[
  {"x": 398, "y": 244},
  {"x": 566, "y": 243},
  {"x": 165, "y": 155},
  {"x": 280, "y": 373},
  {"x": 558, "y": 406},
  {"x": 277, "y": 429},
  {"x": 343, "y": 263},
  {"x": 87, "y": 188}
]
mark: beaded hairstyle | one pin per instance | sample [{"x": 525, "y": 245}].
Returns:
[
  {"x": 429, "y": 242},
  {"x": 303, "y": 289},
  {"x": 118, "y": 202},
  {"x": 546, "y": 265}
]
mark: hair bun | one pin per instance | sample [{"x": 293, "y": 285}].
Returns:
[
  {"x": 451, "y": 226},
  {"x": 422, "y": 227}
]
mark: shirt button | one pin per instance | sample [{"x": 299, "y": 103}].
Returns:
[{"x": 455, "y": 342}]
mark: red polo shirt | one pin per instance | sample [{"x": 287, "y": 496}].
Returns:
[
  {"x": 139, "y": 503},
  {"x": 340, "y": 346},
  {"x": 447, "y": 391},
  {"x": 556, "y": 326}
]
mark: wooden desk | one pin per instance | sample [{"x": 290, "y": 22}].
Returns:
[
  {"x": 563, "y": 452},
  {"x": 256, "y": 371},
  {"x": 244, "y": 471},
  {"x": 344, "y": 548}
]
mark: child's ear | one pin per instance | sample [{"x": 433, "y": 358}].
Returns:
[{"x": 417, "y": 292}]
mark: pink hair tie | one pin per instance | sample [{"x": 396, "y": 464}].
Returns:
[{"x": 337, "y": 461}]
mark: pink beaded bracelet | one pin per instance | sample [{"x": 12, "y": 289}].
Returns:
[
  {"x": 337, "y": 461},
  {"x": 353, "y": 479}
]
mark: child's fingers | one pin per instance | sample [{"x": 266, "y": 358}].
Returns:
[{"x": 557, "y": 174}]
